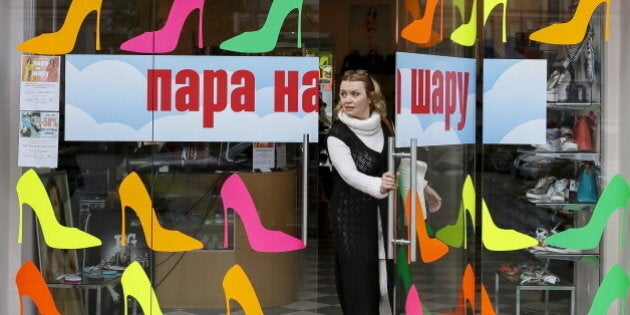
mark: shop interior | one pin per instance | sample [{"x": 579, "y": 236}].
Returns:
[{"x": 536, "y": 190}]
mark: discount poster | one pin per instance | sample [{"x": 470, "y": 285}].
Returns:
[{"x": 38, "y": 139}]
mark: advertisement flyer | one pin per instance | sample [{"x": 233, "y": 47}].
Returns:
[
  {"x": 264, "y": 155},
  {"x": 38, "y": 139},
  {"x": 40, "y": 87}
]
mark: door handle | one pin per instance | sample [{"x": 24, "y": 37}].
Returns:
[
  {"x": 391, "y": 200},
  {"x": 413, "y": 187}
]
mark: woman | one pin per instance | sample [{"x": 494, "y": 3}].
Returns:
[{"x": 357, "y": 148}]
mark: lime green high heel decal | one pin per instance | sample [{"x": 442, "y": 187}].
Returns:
[
  {"x": 135, "y": 283},
  {"x": 455, "y": 235},
  {"x": 466, "y": 34},
  {"x": 614, "y": 196},
  {"x": 30, "y": 190},
  {"x": 266, "y": 38},
  {"x": 497, "y": 239},
  {"x": 615, "y": 285}
]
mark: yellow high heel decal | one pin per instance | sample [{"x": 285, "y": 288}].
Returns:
[
  {"x": 237, "y": 286},
  {"x": 133, "y": 194},
  {"x": 466, "y": 34},
  {"x": 62, "y": 41},
  {"x": 135, "y": 283},
  {"x": 497, "y": 239},
  {"x": 573, "y": 31},
  {"x": 31, "y": 190}
]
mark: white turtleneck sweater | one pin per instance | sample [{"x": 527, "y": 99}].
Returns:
[{"x": 371, "y": 134}]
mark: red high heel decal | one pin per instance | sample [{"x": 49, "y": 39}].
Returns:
[
  {"x": 236, "y": 196},
  {"x": 31, "y": 283}
]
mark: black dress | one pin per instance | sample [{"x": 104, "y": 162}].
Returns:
[{"x": 353, "y": 216}]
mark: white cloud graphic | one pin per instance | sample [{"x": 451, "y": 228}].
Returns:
[{"x": 523, "y": 134}]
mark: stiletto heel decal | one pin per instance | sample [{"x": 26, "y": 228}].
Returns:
[
  {"x": 497, "y": 239},
  {"x": 413, "y": 305},
  {"x": 236, "y": 286},
  {"x": 486, "y": 304},
  {"x": 31, "y": 190},
  {"x": 135, "y": 283},
  {"x": 134, "y": 195},
  {"x": 466, "y": 293},
  {"x": 615, "y": 285},
  {"x": 466, "y": 34},
  {"x": 573, "y": 31},
  {"x": 455, "y": 235},
  {"x": 431, "y": 249},
  {"x": 614, "y": 196},
  {"x": 266, "y": 38},
  {"x": 62, "y": 41},
  {"x": 236, "y": 196},
  {"x": 30, "y": 283},
  {"x": 165, "y": 39},
  {"x": 420, "y": 30}
]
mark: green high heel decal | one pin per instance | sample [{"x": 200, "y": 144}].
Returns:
[
  {"x": 614, "y": 196},
  {"x": 266, "y": 38},
  {"x": 615, "y": 286}
]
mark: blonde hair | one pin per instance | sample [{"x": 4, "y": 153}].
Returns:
[{"x": 373, "y": 89}]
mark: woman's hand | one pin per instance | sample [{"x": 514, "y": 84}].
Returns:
[
  {"x": 434, "y": 201},
  {"x": 388, "y": 182}
]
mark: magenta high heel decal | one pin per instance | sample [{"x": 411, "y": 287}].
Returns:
[
  {"x": 165, "y": 39},
  {"x": 413, "y": 304},
  {"x": 236, "y": 196}
]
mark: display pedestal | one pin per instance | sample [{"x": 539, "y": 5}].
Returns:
[{"x": 194, "y": 279}]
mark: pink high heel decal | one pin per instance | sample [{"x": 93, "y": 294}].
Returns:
[
  {"x": 165, "y": 39},
  {"x": 413, "y": 304},
  {"x": 236, "y": 196}
]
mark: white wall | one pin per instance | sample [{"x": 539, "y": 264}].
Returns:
[
  {"x": 11, "y": 24},
  {"x": 617, "y": 135}
]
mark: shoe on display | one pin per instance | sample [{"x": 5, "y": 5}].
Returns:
[
  {"x": 541, "y": 234},
  {"x": 560, "y": 186},
  {"x": 552, "y": 144},
  {"x": 543, "y": 189}
]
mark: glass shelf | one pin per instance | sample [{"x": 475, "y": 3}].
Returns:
[
  {"x": 566, "y": 206},
  {"x": 590, "y": 106}
]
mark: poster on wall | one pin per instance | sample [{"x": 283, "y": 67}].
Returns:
[
  {"x": 38, "y": 139},
  {"x": 263, "y": 156},
  {"x": 514, "y": 101},
  {"x": 435, "y": 100},
  {"x": 39, "y": 84},
  {"x": 191, "y": 98}
]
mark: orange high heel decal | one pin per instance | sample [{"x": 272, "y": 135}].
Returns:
[
  {"x": 30, "y": 283},
  {"x": 237, "y": 286},
  {"x": 30, "y": 190},
  {"x": 486, "y": 304},
  {"x": 134, "y": 195},
  {"x": 62, "y": 41},
  {"x": 573, "y": 31},
  {"x": 467, "y": 293},
  {"x": 135, "y": 283},
  {"x": 420, "y": 30},
  {"x": 431, "y": 249}
]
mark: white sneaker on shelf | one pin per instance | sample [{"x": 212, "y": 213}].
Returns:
[{"x": 560, "y": 187}]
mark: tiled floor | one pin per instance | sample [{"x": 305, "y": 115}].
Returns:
[{"x": 438, "y": 286}]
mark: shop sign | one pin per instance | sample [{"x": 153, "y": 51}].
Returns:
[
  {"x": 514, "y": 101},
  {"x": 435, "y": 100},
  {"x": 191, "y": 98}
]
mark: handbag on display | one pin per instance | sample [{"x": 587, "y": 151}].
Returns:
[
  {"x": 587, "y": 185},
  {"x": 582, "y": 133}
]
